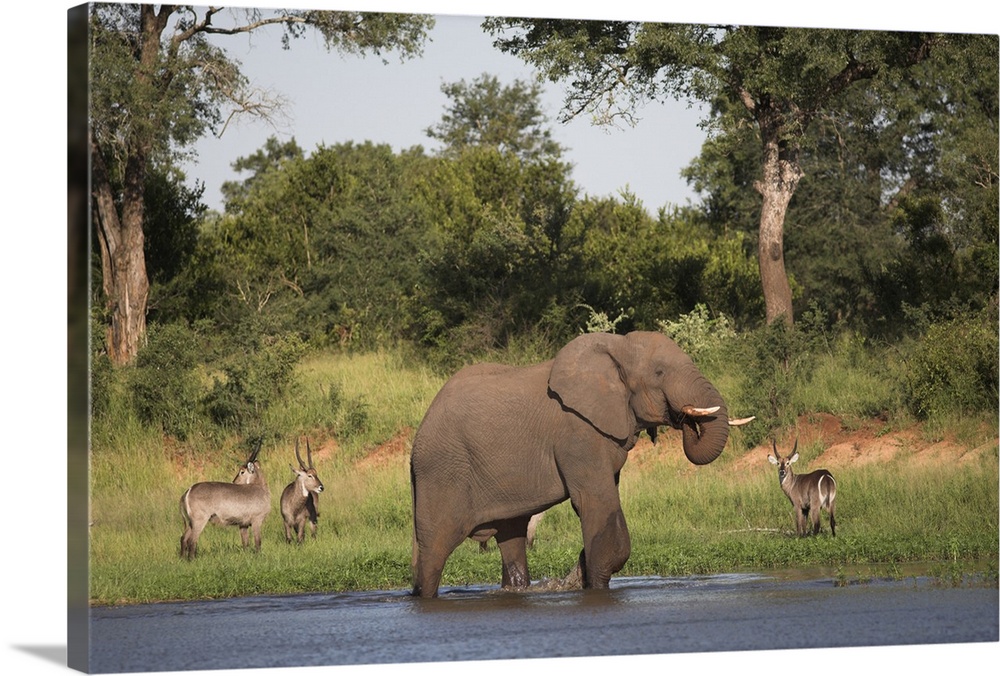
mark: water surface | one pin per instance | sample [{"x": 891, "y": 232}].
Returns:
[{"x": 636, "y": 616}]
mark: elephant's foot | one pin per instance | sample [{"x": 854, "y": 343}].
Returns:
[
  {"x": 515, "y": 576},
  {"x": 575, "y": 578}
]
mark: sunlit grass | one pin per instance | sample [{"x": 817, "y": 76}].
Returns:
[{"x": 682, "y": 519}]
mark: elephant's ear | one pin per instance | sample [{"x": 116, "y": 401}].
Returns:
[{"x": 586, "y": 378}]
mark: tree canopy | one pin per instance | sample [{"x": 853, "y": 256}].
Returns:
[
  {"x": 486, "y": 249},
  {"x": 487, "y": 113},
  {"x": 887, "y": 202},
  {"x": 776, "y": 83},
  {"x": 158, "y": 84}
]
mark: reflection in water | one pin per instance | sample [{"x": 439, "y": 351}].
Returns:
[{"x": 622, "y": 591}]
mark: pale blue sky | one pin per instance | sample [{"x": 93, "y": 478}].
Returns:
[{"x": 333, "y": 98}]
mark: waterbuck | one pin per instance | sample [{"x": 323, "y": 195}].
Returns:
[
  {"x": 244, "y": 503},
  {"x": 809, "y": 493},
  {"x": 300, "y": 499},
  {"x": 529, "y": 541}
]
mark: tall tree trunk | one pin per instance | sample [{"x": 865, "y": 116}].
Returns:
[
  {"x": 123, "y": 251},
  {"x": 123, "y": 262},
  {"x": 781, "y": 174}
]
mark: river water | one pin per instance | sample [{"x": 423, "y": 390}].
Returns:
[{"x": 636, "y": 616}]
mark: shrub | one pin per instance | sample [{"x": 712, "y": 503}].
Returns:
[
  {"x": 773, "y": 359},
  {"x": 349, "y": 414},
  {"x": 953, "y": 369},
  {"x": 256, "y": 372},
  {"x": 599, "y": 322},
  {"x": 696, "y": 332},
  {"x": 163, "y": 386}
]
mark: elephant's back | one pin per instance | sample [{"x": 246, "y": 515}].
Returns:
[{"x": 480, "y": 404}]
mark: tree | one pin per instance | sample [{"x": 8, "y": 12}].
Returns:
[
  {"x": 774, "y": 81},
  {"x": 156, "y": 89},
  {"x": 271, "y": 157},
  {"x": 897, "y": 206},
  {"x": 499, "y": 196},
  {"x": 485, "y": 113}
]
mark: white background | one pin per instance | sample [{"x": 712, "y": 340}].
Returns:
[{"x": 33, "y": 410}]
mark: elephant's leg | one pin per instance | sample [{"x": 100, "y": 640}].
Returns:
[
  {"x": 606, "y": 541},
  {"x": 431, "y": 550},
  {"x": 511, "y": 538}
]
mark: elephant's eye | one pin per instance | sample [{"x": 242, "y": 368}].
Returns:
[{"x": 659, "y": 373}]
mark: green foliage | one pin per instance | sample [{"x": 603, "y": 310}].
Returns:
[
  {"x": 256, "y": 371},
  {"x": 880, "y": 221},
  {"x": 170, "y": 225},
  {"x": 599, "y": 322},
  {"x": 771, "y": 358},
  {"x": 697, "y": 332},
  {"x": 682, "y": 520},
  {"x": 853, "y": 379},
  {"x": 496, "y": 264},
  {"x": 953, "y": 369},
  {"x": 328, "y": 242},
  {"x": 349, "y": 416},
  {"x": 363, "y": 32},
  {"x": 269, "y": 158},
  {"x": 650, "y": 269},
  {"x": 485, "y": 113},
  {"x": 163, "y": 385}
]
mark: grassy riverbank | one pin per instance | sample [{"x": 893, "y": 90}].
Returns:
[{"x": 906, "y": 494}]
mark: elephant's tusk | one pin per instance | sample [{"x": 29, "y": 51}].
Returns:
[
  {"x": 741, "y": 421},
  {"x": 699, "y": 412}
]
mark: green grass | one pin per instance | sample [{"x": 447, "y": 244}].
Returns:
[{"x": 683, "y": 519}]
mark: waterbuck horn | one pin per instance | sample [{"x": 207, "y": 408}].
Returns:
[
  {"x": 256, "y": 450},
  {"x": 297, "y": 456},
  {"x": 309, "y": 453}
]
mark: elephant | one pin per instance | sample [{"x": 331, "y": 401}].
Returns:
[{"x": 500, "y": 443}]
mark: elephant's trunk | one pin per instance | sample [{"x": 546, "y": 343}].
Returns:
[
  {"x": 704, "y": 438},
  {"x": 704, "y": 418}
]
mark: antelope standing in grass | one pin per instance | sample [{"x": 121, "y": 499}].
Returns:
[
  {"x": 300, "y": 499},
  {"x": 244, "y": 503},
  {"x": 484, "y": 545},
  {"x": 809, "y": 493}
]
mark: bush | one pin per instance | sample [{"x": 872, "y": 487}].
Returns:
[
  {"x": 163, "y": 385},
  {"x": 349, "y": 415},
  {"x": 697, "y": 333},
  {"x": 774, "y": 359},
  {"x": 256, "y": 372},
  {"x": 599, "y": 322},
  {"x": 953, "y": 369}
]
